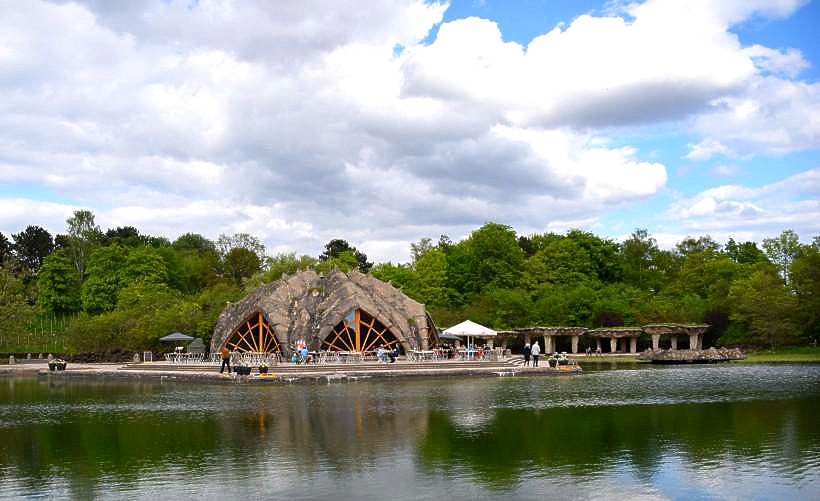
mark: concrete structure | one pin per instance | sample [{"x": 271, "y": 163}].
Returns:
[
  {"x": 616, "y": 336},
  {"x": 695, "y": 333},
  {"x": 339, "y": 312}
]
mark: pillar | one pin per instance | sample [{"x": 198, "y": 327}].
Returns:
[
  {"x": 490, "y": 343},
  {"x": 700, "y": 341},
  {"x": 656, "y": 342},
  {"x": 575, "y": 344},
  {"x": 598, "y": 344},
  {"x": 693, "y": 341},
  {"x": 613, "y": 344},
  {"x": 633, "y": 345},
  {"x": 526, "y": 338},
  {"x": 674, "y": 342},
  {"x": 504, "y": 344}
]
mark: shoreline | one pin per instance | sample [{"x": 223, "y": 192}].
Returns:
[{"x": 290, "y": 374}]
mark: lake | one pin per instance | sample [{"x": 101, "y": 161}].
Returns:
[{"x": 707, "y": 432}]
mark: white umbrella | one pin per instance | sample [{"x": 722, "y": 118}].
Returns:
[{"x": 470, "y": 329}]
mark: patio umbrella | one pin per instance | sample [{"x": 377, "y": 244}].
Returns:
[
  {"x": 447, "y": 335},
  {"x": 176, "y": 336},
  {"x": 470, "y": 329}
]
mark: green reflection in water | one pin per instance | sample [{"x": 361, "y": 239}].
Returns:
[
  {"x": 89, "y": 435},
  {"x": 588, "y": 441}
]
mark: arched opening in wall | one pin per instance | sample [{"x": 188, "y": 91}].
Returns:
[
  {"x": 254, "y": 335},
  {"x": 359, "y": 331}
]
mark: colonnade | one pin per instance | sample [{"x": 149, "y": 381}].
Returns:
[{"x": 614, "y": 334}]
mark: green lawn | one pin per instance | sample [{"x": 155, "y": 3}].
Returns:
[{"x": 804, "y": 354}]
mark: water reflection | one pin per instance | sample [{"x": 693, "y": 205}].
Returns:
[{"x": 647, "y": 432}]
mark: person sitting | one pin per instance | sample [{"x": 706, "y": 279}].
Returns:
[
  {"x": 381, "y": 355},
  {"x": 394, "y": 355}
]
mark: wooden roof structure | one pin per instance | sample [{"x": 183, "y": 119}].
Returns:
[{"x": 340, "y": 311}]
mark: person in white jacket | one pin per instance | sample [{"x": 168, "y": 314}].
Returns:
[{"x": 536, "y": 350}]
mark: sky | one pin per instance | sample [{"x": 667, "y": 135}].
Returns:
[{"x": 386, "y": 121}]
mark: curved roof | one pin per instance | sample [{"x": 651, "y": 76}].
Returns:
[{"x": 308, "y": 306}]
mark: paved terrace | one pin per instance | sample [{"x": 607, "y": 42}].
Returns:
[{"x": 287, "y": 372}]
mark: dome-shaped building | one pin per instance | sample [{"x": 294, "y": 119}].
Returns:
[{"x": 339, "y": 312}]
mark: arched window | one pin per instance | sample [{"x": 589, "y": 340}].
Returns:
[
  {"x": 359, "y": 331},
  {"x": 254, "y": 335}
]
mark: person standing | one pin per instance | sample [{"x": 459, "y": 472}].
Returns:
[
  {"x": 535, "y": 350},
  {"x": 527, "y": 353},
  {"x": 226, "y": 359}
]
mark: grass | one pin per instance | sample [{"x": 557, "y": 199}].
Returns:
[{"x": 802, "y": 354}]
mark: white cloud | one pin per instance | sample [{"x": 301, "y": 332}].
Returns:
[
  {"x": 725, "y": 170},
  {"x": 306, "y": 121},
  {"x": 753, "y": 212},
  {"x": 706, "y": 149},
  {"x": 772, "y": 116}
]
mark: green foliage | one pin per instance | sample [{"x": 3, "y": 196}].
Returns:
[
  {"x": 5, "y": 249},
  {"x": 805, "y": 273},
  {"x": 138, "y": 287},
  {"x": 286, "y": 263},
  {"x": 110, "y": 269},
  {"x": 782, "y": 250},
  {"x": 489, "y": 258},
  {"x": 762, "y": 303},
  {"x": 744, "y": 253},
  {"x": 193, "y": 242},
  {"x": 15, "y": 312},
  {"x": 31, "y": 246},
  {"x": 59, "y": 284},
  {"x": 240, "y": 263},
  {"x": 345, "y": 261},
  {"x": 339, "y": 250},
  {"x": 83, "y": 237}
]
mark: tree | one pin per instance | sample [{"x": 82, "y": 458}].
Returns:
[
  {"x": 345, "y": 261},
  {"x": 124, "y": 235},
  {"x": 58, "y": 284},
  {"x": 193, "y": 242},
  {"x": 639, "y": 252},
  {"x": 336, "y": 247},
  {"x": 15, "y": 313},
  {"x": 690, "y": 245},
  {"x": 287, "y": 263},
  {"x": 241, "y": 263},
  {"x": 417, "y": 250},
  {"x": 110, "y": 269},
  {"x": 782, "y": 250},
  {"x": 224, "y": 244},
  {"x": 805, "y": 273},
  {"x": 83, "y": 237},
  {"x": 5, "y": 249},
  {"x": 31, "y": 246},
  {"x": 743, "y": 253},
  {"x": 762, "y": 303},
  {"x": 558, "y": 261},
  {"x": 495, "y": 259}
]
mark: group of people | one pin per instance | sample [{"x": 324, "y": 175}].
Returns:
[
  {"x": 387, "y": 356},
  {"x": 533, "y": 351}
]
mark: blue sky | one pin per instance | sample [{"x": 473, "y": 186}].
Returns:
[{"x": 301, "y": 122}]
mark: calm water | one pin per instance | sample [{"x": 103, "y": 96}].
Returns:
[{"x": 733, "y": 432}]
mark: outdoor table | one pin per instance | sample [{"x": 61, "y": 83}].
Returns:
[
  {"x": 350, "y": 356},
  {"x": 425, "y": 354}
]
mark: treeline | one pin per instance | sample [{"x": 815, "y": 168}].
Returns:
[{"x": 123, "y": 289}]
